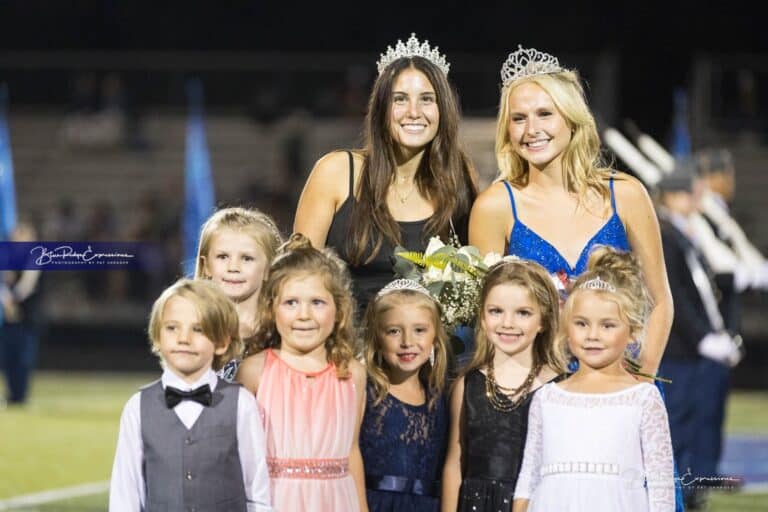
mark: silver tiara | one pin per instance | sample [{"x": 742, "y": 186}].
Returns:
[
  {"x": 597, "y": 284},
  {"x": 403, "y": 284},
  {"x": 413, "y": 48},
  {"x": 525, "y": 62}
]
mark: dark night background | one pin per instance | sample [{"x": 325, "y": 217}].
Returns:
[{"x": 655, "y": 43}]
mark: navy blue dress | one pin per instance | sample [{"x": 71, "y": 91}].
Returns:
[{"x": 403, "y": 448}]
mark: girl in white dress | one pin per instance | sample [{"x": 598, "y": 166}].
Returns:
[{"x": 599, "y": 441}]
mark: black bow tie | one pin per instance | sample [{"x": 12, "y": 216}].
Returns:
[{"x": 201, "y": 395}]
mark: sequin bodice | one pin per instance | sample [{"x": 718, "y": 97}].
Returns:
[{"x": 527, "y": 244}]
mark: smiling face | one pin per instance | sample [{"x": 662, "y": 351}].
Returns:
[
  {"x": 236, "y": 263},
  {"x": 185, "y": 349},
  {"x": 415, "y": 116},
  {"x": 406, "y": 337},
  {"x": 511, "y": 319},
  {"x": 305, "y": 314},
  {"x": 597, "y": 332},
  {"x": 538, "y": 131}
]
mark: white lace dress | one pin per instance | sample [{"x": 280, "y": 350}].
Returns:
[{"x": 597, "y": 452}]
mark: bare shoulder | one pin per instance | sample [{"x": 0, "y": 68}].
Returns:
[
  {"x": 332, "y": 166},
  {"x": 629, "y": 190},
  {"x": 250, "y": 371},
  {"x": 494, "y": 199}
]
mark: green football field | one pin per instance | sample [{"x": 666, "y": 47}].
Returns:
[{"x": 65, "y": 437}]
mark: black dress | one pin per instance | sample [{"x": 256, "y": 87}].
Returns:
[
  {"x": 369, "y": 278},
  {"x": 493, "y": 443}
]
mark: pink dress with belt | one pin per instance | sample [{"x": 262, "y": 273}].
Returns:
[{"x": 309, "y": 422}]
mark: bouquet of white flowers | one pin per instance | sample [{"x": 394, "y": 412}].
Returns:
[{"x": 453, "y": 275}]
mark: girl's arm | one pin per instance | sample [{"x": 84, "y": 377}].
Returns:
[
  {"x": 324, "y": 191},
  {"x": 657, "y": 453},
  {"x": 530, "y": 472},
  {"x": 249, "y": 373},
  {"x": 356, "y": 468},
  {"x": 642, "y": 227},
  {"x": 452, "y": 466},
  {"x": 490, "y": 221}
]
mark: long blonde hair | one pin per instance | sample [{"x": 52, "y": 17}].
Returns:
[
  {"x": 532, "y": 277},
  {"x": 583, "y": 166},
  {"x": 298, "y": 258},
  {"x": 432, "y": 375}
]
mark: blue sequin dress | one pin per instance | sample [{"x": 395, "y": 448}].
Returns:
[
  {"x": 528, "y": 245},
  {"x": 403, "y": 448}
]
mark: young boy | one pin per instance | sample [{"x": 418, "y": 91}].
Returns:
[{"x": 191, "y": 441}]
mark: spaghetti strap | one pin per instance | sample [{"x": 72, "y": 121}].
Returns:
[
  {"x": 613, "y": 195},
  {"x": 512, "y": 199},
  {"x": 352, "y": 176}
]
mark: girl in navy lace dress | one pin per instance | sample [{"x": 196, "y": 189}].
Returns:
[{"x": 405, "y": 426}]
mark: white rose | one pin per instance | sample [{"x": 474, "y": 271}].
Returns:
[
  {"x": 434, "y": 244},
  {"x": 450, "y": 275},
  {"x": 432, "y": 275},
  {"x": 491, "y": 259}
]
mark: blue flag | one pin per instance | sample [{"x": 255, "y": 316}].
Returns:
[
  {"x": 681, "y": 135},
  {"x": 7, "y": 189},
  {"x": 198, "y": 185}
]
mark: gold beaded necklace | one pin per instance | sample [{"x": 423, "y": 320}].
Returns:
[{"x": 502, "y": 398}]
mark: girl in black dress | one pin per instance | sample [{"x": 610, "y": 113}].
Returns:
[{"x": 515, "y": 355}]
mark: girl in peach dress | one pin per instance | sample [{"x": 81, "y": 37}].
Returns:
[{"x": 309, "y": 386}]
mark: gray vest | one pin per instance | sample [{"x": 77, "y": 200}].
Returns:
[{"x": 196, "y": 470}]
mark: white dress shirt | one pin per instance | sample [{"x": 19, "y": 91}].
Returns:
[{"x": 127, "y": 490}]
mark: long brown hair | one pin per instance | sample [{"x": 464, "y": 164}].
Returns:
[
  {"x": 532, "y": 277},
  {"x": 445, "y": 175},
  {"x": 432, "y": 375},
  {"x": 298, "y": 258}
]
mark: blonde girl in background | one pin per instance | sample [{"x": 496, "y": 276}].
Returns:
[{"x": 236, "y": 248}]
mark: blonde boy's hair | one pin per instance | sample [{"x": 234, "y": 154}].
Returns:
[{"x": 217, "y": 315}]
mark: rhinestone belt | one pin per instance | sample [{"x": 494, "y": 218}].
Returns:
[{"x": 322, "y": 469}]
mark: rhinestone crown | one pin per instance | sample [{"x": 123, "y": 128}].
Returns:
[
  {"x": 402, "y": 284},
  {"x": 597, "y": 284},
  {"x": 413, "y": 48},
  {"x": 525, "y": 62}
]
